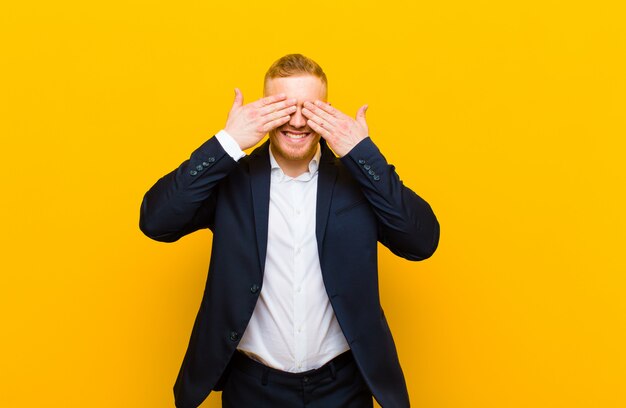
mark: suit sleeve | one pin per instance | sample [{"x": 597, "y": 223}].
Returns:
[
  {"x": 406, "y": 223},
  {"x": 183, "y": 201}
]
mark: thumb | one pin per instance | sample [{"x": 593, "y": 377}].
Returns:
[
  {"x": 360, "y": 115},
  {"x": 238, "y": 98}
]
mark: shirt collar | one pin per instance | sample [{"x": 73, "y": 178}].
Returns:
[{"x": 279, "y": 175}]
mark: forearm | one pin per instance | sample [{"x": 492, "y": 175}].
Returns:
[
  {"x": 181, "y": 201},
  {"x": 407, "y": 224}
]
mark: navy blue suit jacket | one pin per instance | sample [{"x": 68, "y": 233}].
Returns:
[{"x": 360, "y": 201}]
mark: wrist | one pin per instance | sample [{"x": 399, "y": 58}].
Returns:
[{"x": 230, "y": 144}]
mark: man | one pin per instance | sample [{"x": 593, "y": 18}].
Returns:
[{"x": 290, "y": 314}]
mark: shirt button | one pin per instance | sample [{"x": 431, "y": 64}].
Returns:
[
  {"x": 254, "y": 288},
  {"x": 299, "y": 289},
  {"x": 193, "y": 172},
  {"x": 234, "y": 336},
  {"x": 300, "y": 366}
]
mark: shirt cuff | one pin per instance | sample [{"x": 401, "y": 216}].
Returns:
[{"x": 230, "y": 146}]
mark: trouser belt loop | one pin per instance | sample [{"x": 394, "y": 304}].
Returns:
[{"x": 333, "y": 370}]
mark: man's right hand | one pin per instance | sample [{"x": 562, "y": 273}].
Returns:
[{"x": 247, "y": 124}]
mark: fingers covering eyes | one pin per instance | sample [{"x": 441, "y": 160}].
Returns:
[
  {"x": 268, "y": 100},
  {"x": 318, "y": 128},
  {"x": 277, "y": 106},
  {"x": 274, "y": 124},
  {"x": 279, "y": 114},
  {"x": 318, "y": 116}
]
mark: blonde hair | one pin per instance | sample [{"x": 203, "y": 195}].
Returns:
[{"x": 294, "y": 65}]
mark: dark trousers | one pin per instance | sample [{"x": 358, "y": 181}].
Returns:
[{"x": 336, "y": 384}]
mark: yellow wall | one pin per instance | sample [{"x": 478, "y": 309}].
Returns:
[{"x": 508, "y": 117}]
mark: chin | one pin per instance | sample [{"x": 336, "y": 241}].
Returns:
[{"x": 294, "y": 145}]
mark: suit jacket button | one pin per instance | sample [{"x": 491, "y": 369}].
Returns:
[
  {"x": 376, "y": 177},
  {"x": 367, "y": 167},
  {"x": 211, "y": 159},
  {"x": 234, "y": 336},
  {"x": 254, "y": 288},
  {"x": 199, "y": 167},
  {"x": 361, "y": 161},
  {"x": 371, "y": 172},
  {"x": 193, "y": 172},
  {"x": 206, "y": 164}
]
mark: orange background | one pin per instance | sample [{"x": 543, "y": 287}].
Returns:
[{"x": 507, "y": 117}]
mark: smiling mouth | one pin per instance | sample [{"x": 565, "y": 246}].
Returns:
[{"x": 295, "y": 135}]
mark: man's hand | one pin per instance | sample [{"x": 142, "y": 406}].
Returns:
[
  {"x": 341, "y": 132},
  {"x": 247, "y": 124}
]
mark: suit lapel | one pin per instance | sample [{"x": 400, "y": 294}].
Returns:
[
  {"x": 326, "y": 183},
  {"x": 260, "y": 187}
]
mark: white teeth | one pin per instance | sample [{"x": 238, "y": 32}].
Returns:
[{"x": 296, "y": 136}]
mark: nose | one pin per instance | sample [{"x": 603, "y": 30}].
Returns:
[{"x": 297, "y": 119}]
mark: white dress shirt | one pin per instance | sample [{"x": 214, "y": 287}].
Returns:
[{"x": 293, "y": 327}]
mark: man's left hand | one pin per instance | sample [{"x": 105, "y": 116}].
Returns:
[{"x": 341, "y": 132}]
